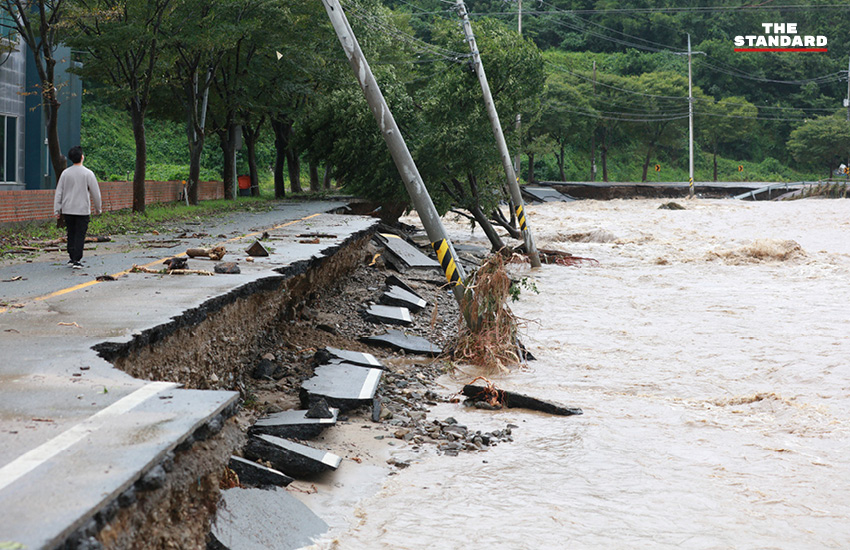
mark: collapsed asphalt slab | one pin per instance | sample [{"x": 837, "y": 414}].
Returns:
[{"x": 77, "y": 433}]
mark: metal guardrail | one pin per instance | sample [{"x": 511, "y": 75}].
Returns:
[{"x": 774, "y": 186}]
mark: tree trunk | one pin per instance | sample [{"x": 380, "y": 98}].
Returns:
[
  {"x": 531, "y": 177},
  {"x": 561, "y": 163},
  {"x": 715, "y": 165},
  {"x": 326, "y": 180},
  {"x": 314, "y": 177},
  {"x": 646, "y": 161},
  {"x": 195, "y": 150},
  {"x": 280, "y": 144},
  {"x": 294, "y": 164},
  {"x": 494, "y": 238},
  {"x": 137, "y": 114},
  {"x": 251, "y": 146},
  {"x": 251, "y": 136},
  {"x": 227, "y": 142},
  {"x": 54, "y": 148},
  {"x": 603, "y": 156}
]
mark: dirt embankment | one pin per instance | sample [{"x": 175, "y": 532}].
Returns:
[{"x": 261, "y": 342}]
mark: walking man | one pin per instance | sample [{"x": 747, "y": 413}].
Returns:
[{"x": 76, "y": 191}]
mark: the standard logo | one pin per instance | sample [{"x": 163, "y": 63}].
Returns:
[{"x": 780, "y": 37}]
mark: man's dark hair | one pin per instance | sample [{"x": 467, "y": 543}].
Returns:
[{"x": 76, "y": 154}]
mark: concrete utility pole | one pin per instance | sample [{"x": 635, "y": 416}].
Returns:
[
  {"x": 848, "y": 91},
  {"x": 513, "y": 184},
  {"x": 593, "y": 134},
  {"x": 398, "y": 149}
]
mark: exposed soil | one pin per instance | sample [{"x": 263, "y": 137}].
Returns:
[{"x": 266, "y": 361}]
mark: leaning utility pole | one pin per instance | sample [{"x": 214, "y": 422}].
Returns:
[
  {"x": 398, "y": 149},
  {"x": 513, "y": 184}
]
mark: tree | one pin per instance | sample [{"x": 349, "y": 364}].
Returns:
[
  {"x": 456, "y": 152},
  {"x": 39, "y": 24},
  {"x": 729, "y": 120},
  {"x": 567, "y": 115},
  {"x": 197, "y": 38},
  {"x": 123, "y": 41},
  {"x": 657, "y": 107},
  {"x": 823, "y": 140}
]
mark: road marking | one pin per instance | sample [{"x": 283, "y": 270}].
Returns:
[
  {"x": 31, "y": 460},
  {"x": 155, "y": 262}
]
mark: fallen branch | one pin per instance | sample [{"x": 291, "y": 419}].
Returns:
[
  {"x": 496, "y": 397},
  {"x": 215, "y": 253},
  {"x": 165, "y": 271}
]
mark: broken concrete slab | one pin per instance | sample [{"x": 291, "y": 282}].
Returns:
[
  {"x": 291, "y": 458},
  {"x": 345, "y": 387},
  {"x": 293, "y": 424},
  {"x": 519, "y": 401},
  {"x": 327, "y": 355},
  {"x": 404, "y": 255},
  {"x": 388, "y": 314},
  {"x": 257, "y": 249},
  {"x": 395, "y": 280},
  {"x": 545, "y": 194},
  {"x": 399, "y": 341},
  {"x": 397, "y": 296},
  {"x": 253, "y": 474},
  {"x": 256, "y": 519}
]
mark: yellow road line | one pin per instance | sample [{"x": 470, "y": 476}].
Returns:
[{"x": 155, "y": 262}]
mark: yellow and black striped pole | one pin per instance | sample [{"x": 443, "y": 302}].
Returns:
[
  {"x": 447, "y": 262},
  {"x": 520, "y": 216},
  {"x": 691, "y": 187}
]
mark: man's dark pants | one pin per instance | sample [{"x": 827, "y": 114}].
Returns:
[{"x": 77, "y": 228}]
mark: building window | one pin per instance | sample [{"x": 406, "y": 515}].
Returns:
[{"x": 8, "y": 149}]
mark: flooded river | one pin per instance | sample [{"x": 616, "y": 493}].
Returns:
[{"x": 710, "y": 352}]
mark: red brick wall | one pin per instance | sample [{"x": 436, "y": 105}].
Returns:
[{"x": 37, "y": 204}]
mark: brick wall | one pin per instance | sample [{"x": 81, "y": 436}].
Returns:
[{"x": 37, "y": 204}]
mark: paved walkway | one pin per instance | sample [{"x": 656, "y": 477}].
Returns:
[{"x": 74, "y": 431}]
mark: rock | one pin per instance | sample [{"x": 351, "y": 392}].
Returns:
[
  {"x": 263, "y": 370},
  {"x": 227, "y": 268},
  {"x": 257, "y": 250},
  {"x": 319, "y": 409}
]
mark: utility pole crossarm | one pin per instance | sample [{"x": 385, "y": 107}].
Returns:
[{"x": 510, "y": 174}]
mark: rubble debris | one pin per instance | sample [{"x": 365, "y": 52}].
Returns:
[
  {"x": 143, "y": 269},
  {"x": 397, "y": 296},
  {"x": 295, "y": 423},
  {"x": 388, "y": 314},
  {"x": 215, "y": 253},
  {"x": 253, "y": 474},
  {"x": 227, "y": 268},
  {"x": 399, "y": 341},
  {"x": 177, "y": 263},
  {"x": 515, "y": 400},
  {"x": 403, "y": 256},
  {"x": 294, "y": 459},
  {"x": 345, "y": 387},
  {"x": 257, "y": 250},
  {"x": 286, "y": 522},
  {"x": 327, "y": 354}
]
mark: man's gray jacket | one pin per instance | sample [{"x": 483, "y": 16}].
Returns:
[{"x": 76, "y": 190}]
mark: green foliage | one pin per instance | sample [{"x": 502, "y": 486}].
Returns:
[{"x": 824, "y": 140}]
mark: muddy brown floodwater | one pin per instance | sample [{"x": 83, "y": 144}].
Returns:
[{"x": 709, "y": 350}]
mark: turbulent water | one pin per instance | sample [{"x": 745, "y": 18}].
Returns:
[{"x": 709, "y": 351}]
